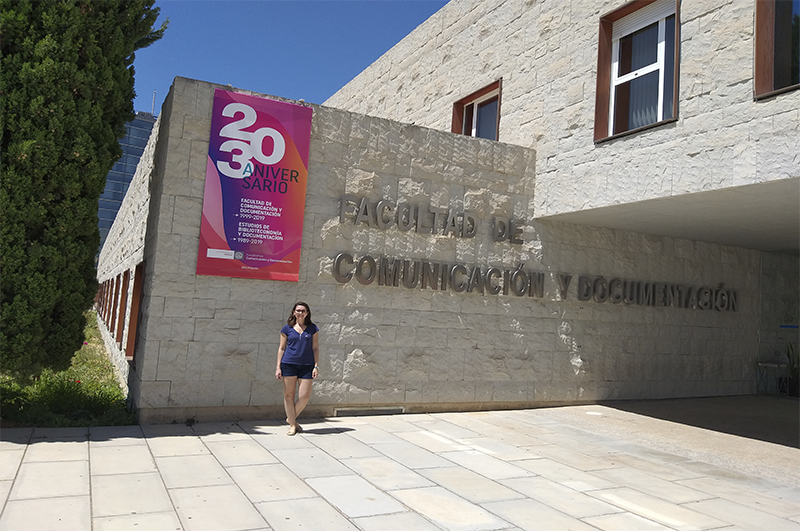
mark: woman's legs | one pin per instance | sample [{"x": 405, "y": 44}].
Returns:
[
  {"x": 303, "y": 396},
  {"x": 295, "y": 407},
  {"x": 289, "y": 389}
]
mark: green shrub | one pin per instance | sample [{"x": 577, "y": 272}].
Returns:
[{"x": 86, "y": 394}]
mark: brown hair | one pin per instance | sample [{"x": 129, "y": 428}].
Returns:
[{"x": 292, "y": 320}]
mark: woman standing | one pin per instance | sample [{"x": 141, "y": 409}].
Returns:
[{"x": 298, "y": 361}]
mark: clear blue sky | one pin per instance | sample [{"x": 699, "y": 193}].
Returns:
[{"x": 296, "y": 49}]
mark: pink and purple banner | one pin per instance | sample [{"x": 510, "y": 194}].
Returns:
[{"x": 255, "y": 188}]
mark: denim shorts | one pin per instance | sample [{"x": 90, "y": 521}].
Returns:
[{"x": 301, "y": 371}]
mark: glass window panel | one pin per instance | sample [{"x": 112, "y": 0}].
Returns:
[
  {"x": 636, "y": 103},
  {"x": 786, "y": 55},
  {"x": 139, "y": 133},
  {"x": 113, "y": 195},
  {"x": 468, "y": 111},
  {"x": 109, "y": 204},
  {"x": 139, "y": 142},
  {"x": 669, "y": 69},
  {"x": 639, "y": 49},
  {"x": 116, "y": 185},
  {"x": 487, "y": 120}
]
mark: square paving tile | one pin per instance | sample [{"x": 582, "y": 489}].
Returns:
[
  {"x": 657, "y": 510},
  {"x": 741, "y": 516},
  {"x": 123, "y": 494},
  {"x": 311, "y": 463},
  {"x": 486, "y": 465},
  {"x": 307, "y": 514},
  {"x": 435, "y": 424},
  {"x": 10, "y": 461},
  {"x": 532, "y": 515},
  {"x": 572, "y": 458},
  {"x": 166, "y": 521},
  {"x": 449, "y": 511},
  {"x": 5, "y": 489},
  {"x": 215, "y": 508},
  {"x": 341, "y": 445},
  {"x": 410, "y": 455},
  {"x": 373, "y": 435},
  {"x": 387, "y": 474},
  {"x": 192, "y": 471},
  {"x": 396, "y": 522},
  {"x": 565, "y": 475},
  {"x": 49, "y": 480},
  {"x": 627, "y": 522},
  {"x": 281, "y": 441},
  {"x": 176, "y": 445},
  {"x": 68, "y": 513},
  {"x": 568, "y": 501},
  {"x": 432, "y": 441},
  {"x": 240, "y": 452},
  {"x": 55, "y": 450},
  {"x": 670, "y": 491},
  {"x": 470, "y": 485},
  {"x": 262, "y": 483},
  {"x": 354, "y": 496},
  {"x": 778, "y": 506},
  {"x": 499, "y": 449},
  {"x": 125, "y": 459}
]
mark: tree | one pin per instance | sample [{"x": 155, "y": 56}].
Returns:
[{"x": 66, "y": 92}]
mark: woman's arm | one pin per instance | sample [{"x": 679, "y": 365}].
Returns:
[
  {"x": 281, "y": 350},
  {"x": 315, "y": 346}
]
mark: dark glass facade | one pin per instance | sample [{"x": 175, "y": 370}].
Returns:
[{"x": 120, "y": 176}]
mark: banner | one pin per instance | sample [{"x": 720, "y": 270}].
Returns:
[{"x": 255, "y": 189}]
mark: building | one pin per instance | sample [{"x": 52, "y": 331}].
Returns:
[
  {"x": 632, "y": 233},
  {"x": 137, "y": 132}
]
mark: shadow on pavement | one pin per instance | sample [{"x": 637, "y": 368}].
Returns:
[{"x": 765, "y": 418}]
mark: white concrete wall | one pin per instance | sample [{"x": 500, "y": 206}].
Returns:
[
  {"x": 546, "y": 54},
  {"x": 208, "y": 345}
]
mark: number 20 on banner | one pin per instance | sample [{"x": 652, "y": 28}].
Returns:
[{"x": 248, "y": 145}]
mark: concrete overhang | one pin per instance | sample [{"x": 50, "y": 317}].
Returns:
[{"x": 763, "y": 216}]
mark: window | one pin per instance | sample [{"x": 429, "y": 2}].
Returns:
[
  {"x": 777, "y": 54},
  {"x": 637, "y": 70},
  {"x": 478, "y": 114}
]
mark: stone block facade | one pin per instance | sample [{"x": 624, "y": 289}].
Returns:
[
  {"x": 546, "y": 55},
  {"x": 207, "y": 346}
]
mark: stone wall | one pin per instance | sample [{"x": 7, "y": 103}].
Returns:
[
  {"x": 124, "y": 250},
  {"x": 207, "y": 345},
  {"x": 546, "y": 54}
]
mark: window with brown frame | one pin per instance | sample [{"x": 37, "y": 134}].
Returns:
[
  {"x": 637, "y": 67},
  {"x": 478, "y": 114},
  {"x": 777, "y": 53}
]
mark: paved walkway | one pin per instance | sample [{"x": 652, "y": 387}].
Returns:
[{"x": 572, "y": 468}]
